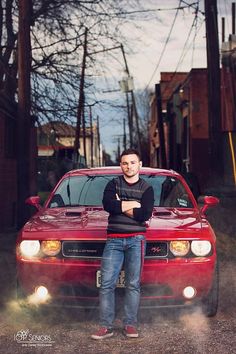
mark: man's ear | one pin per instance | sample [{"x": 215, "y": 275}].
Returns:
[{"x": 140, "y": 163}]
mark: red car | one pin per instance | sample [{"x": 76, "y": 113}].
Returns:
[{"x": 60, "y": 248}]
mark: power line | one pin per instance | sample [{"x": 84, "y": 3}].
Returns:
[
  {"x": 165, "y": 45},
  {"x": 184, "y": 51}
]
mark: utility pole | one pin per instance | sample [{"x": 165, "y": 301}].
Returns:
[
  {"x": 84, "y": 132},
  {"x": 81, "y": 99},
  {"x": 133, "y": 102},
  {"x": 233, "y": 17},
  {"x": 124, "y": 135},
  {"x": 160, "y": 126},
  {"x": 214, "y": 95},
  {"x": 130, "y": 120},
  {"x": 91, "y": 133},
  {"x": 99, "y": 146},
  {"x": 24, "y": 104}
]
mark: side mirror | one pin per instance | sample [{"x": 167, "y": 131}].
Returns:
[
  {"x": 34, "y": 201},
  {"x": 208, "y": 201}
]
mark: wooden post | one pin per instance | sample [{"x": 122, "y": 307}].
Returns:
[
  {"x": 99, "y": 147},
  {"x": 124, "y": 134},
  {"x": 91, "y": 133},
  {"x": 233, "y": 17},
  {"x": 160, "y": 126},
  {"x": 24, "y": 118},
  {"x": 81, "y": 100},
  {"x": 223, "y": 29},
  {"x": 84, "y": 132},
  {"x": 133, "y": 103},
  {"x": 214, "y": 96}
]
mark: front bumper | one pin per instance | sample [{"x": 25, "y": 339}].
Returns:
[{"x": 74, "y": 281}]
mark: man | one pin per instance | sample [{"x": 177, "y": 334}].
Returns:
[{"x": 129, "y": 201}]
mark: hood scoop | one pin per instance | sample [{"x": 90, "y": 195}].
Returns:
[
  {"x": 74, "y": 213},
  {"x": 162, "y": 213},
  {"x": 77, "y": 212}
]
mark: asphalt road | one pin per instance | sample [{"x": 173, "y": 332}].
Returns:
[{"x": 62, "y": 331}]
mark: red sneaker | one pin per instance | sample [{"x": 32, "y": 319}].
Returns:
[
  {"x": 130, "y": 332},
  {"x": 103, "y": 333}
]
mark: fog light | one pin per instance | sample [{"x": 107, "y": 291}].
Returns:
[
  {"x": 40, "y": 296},
  {"x": 189, "y": 292},
  {"x": 42, "y": 293}
]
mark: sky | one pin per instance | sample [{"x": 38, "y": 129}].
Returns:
[{"x": 167, "y": 40}]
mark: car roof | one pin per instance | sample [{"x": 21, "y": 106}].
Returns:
[{"x": 117, "y": 170}]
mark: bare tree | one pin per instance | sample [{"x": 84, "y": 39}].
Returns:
[{"x": 57, "y": 29}]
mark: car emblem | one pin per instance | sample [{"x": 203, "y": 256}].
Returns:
[{"x": 156, "y": 249}]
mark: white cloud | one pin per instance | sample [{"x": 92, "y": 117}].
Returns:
[{"x": 149, "y": 50}]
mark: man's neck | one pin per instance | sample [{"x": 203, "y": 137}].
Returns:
[{"x": 131, "y": 180}]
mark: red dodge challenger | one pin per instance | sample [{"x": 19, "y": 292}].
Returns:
[{"x": 59, "y": 249}]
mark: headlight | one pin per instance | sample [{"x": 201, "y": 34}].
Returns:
[
  {"x": 179, "y": 248},
  {"x": 51, "y": 247},
  {"x": 200, "y": 248},
  {"x": 29, "y": 248}
]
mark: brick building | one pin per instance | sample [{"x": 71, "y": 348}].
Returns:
[
  {"x": 185, "y": 108},
  {"x": 169, "y": 82}
]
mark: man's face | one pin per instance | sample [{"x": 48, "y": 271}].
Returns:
[{"x": 130, "y": 165}]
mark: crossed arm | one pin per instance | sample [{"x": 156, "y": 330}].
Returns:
[
  {"x": 127, "y": 206},
  {"x": 139, "y": 211}
]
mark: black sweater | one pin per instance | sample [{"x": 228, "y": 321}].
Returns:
[{"x": 119, "y": 222}]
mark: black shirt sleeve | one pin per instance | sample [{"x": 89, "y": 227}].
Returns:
[
  {"x": 147, "y": 202},
  {"x": 110, "y": 202}
]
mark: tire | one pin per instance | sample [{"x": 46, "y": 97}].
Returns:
[{"x": 210, "y": 303}]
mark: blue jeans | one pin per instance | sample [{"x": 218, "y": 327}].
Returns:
[{"x": 118, "y": 251}]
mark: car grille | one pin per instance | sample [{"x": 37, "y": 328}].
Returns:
[{"x": 83, "y": 249}]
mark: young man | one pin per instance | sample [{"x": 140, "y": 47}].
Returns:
[{"x": 129, "y": 201}]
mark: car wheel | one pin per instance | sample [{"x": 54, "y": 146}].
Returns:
[{"x": 210, "y": 303}]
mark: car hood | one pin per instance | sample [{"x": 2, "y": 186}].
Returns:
[
  {"x": 163, "y": 219},
  {"x": 57, "y": 219},
  {"x": 172, "y": 220}
]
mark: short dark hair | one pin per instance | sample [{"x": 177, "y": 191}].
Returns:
[{"x": 130, "y": 151}]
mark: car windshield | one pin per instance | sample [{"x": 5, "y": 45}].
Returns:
[{"x": 88, "y": 191}]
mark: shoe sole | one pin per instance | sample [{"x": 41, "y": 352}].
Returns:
[
  {"x": 108, "y": 335},
  {"x": 131, "y": 335}
]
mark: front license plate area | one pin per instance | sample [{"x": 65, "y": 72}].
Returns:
[{"x": 120, "y": 283}]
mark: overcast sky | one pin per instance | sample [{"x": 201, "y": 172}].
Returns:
[{"x": 167, "y": 40}]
